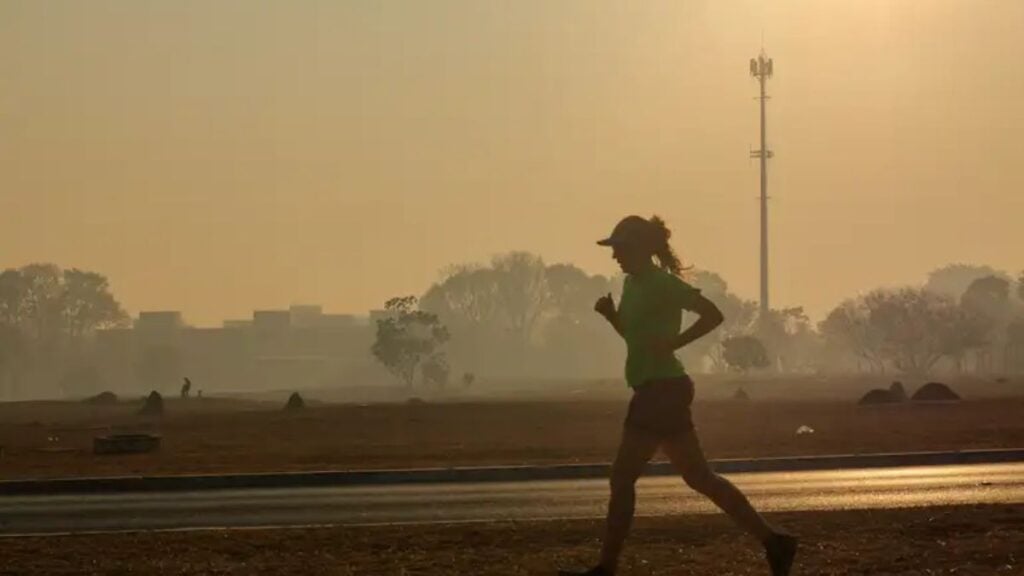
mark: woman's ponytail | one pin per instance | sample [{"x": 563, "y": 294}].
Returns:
[{"x": 660, "y": 235}]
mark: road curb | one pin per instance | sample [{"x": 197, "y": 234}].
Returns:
[{"x": 485, "y": 474}]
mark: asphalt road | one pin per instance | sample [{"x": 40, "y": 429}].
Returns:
[{"x": 770, "y": 491}]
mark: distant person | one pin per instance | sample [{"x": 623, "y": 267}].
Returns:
[
  {"x": 649, "y": 318},
  {"x": 186, "y": 389}
]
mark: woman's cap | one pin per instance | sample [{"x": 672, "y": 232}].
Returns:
[{"x": 630, "y": 230}]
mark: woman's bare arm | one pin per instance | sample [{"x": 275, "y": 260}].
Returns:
[{"x": 709, "y": 318}]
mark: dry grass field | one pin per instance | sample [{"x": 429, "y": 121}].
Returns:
[{"x": 54, "y": 439}]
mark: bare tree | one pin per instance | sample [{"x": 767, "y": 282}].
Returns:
[
  {"x": 848, "y": 327},
  {"x": 466, "y": 295},
  {"x": 522, "y": 290},
  {"x": 919, "y": 327}
]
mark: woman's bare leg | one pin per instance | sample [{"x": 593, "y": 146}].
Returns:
[
  {"x": 686, "y": 455},
  {"x": 635, "y": 450}
]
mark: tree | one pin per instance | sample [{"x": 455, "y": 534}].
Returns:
[
  {"x": 522, "y": 291},
  {"x": 13, "y": 350},
  {"x": 13, "y": 341},
  {"x": 518, "y": 316},
  {"x": 465, "y": 301},
  {"x": 49, "y": 313},
  {"x": 744, "y": 352},
  {"x": 574, "y": 341},
  {"x": 435, "y": 371},
  {"x": 572, "y": 292},
  {"x": 1020, "y": 286},
  {"x": 986, "y": 306},
  {"x": 87, "y": 303},
  {"x": 848, "y": 327},
  {"x": 10, "y": 345},
  {"x": 952, "y": 280},
  {"x": 919, "y": 327},
  {"x": 989, "y": 296},
  {"x": 41, "y": 304},
  {"x": 51, "y": 304},
  {"x": 408, "y": 337},
  {"x": 909, "y": 329},
  {"x": 466, "y": 295},
  {"x": 12, "y": 297},
  {"x": 1015, "y": 346},
  {"x": 789, "y": 338}
]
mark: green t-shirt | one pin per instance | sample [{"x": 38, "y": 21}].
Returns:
[{"x": 651, "y": 309}]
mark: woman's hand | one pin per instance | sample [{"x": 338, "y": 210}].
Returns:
[{"x": 605, "y": 306}]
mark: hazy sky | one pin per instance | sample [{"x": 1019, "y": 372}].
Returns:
[{"x": 216, "y": 157}]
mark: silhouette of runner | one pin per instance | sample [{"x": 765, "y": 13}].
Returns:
[{"x": 648, "y": 318}]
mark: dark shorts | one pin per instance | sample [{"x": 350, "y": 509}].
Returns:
[{"x": 662, "y": 407}]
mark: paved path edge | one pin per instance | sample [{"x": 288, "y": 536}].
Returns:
[{"x": 485, "y": 474}]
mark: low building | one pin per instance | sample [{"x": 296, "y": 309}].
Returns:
[{"x": 278, "y": 349}]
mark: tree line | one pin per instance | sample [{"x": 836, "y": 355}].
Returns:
[{"x": 518, "y": 317}]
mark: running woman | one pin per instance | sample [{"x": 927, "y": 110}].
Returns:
[{"x": 649, "y": 318}]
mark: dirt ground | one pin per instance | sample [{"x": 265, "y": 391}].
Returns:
[
  {"x": 965, "y": 541},
  {"x": 54, "y": 439}
]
